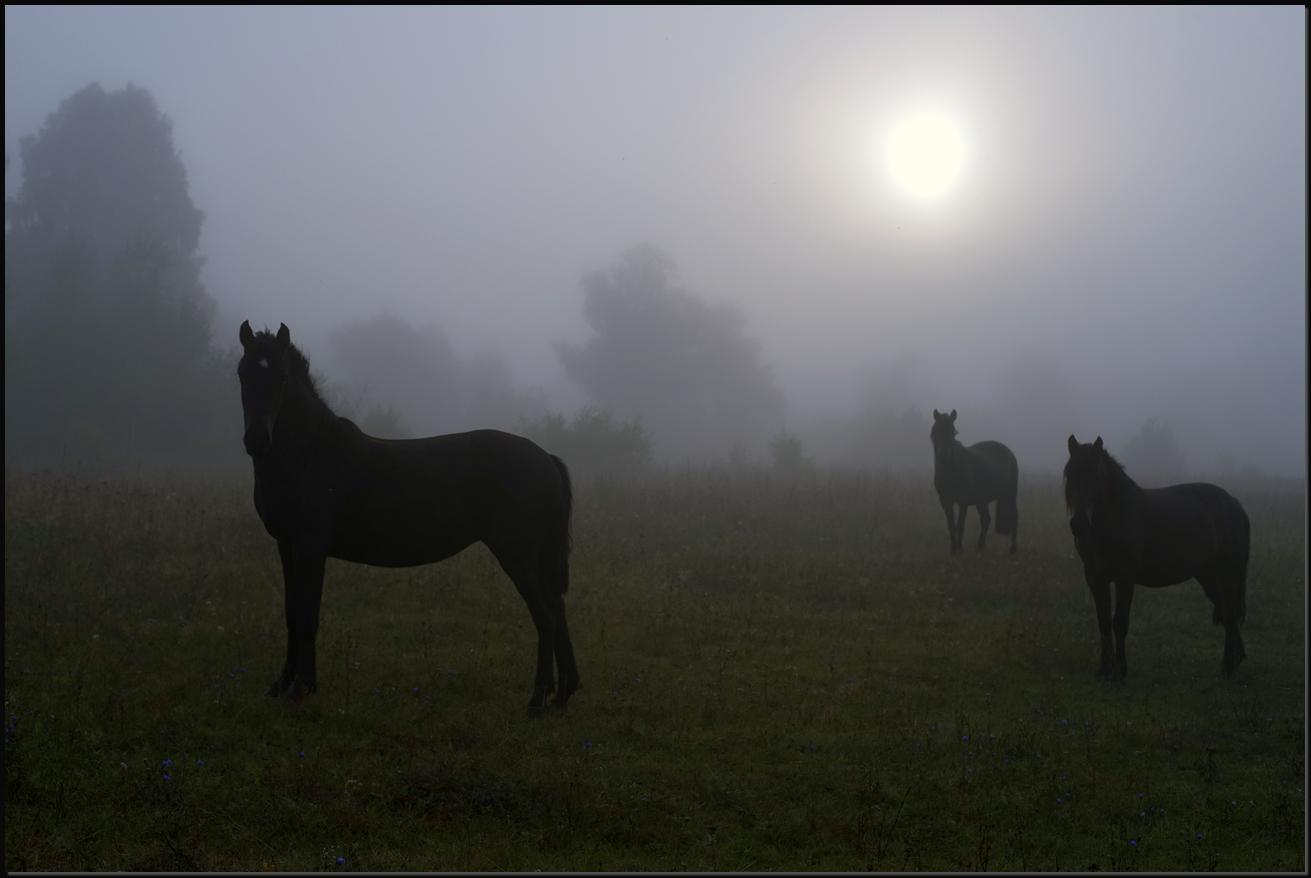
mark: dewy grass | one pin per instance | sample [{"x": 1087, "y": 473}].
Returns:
[{"x": 778, "y": 674}]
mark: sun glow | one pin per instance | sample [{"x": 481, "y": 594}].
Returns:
[{"x": 926, "y": 155}]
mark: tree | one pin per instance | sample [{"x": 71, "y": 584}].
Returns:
[
  {"x": 1153, "y": 456},
  {"x": 417, "y": 374},
  {"x": 788, "y": 452},
  {"x": 685, "y": 366},
  {"x": 107, "y": 325},
  {"x": 103, "y": 171}
]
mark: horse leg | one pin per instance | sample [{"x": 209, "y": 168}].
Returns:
[
  {"x": 303, "y": 620},
  {"x": 984, "y": 521},
  {"x": 1123, "y": 601},
  {"x": 564, "y": 654},
  {"x": 1101, "y": 592},
  {"x": 960, "y": 528},
  {"x": 283, "y": 680},
  {"x": 951, "y": 523},
  {"x": 532, "y": 590},
  {"x": 1224, "y": 614}
]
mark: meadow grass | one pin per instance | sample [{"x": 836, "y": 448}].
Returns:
[{"x": 778, "y": 674}]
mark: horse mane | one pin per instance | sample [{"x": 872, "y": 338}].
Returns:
[
  {"x": 1121, "y": 486},
  {"x": 298, "y": 368}
]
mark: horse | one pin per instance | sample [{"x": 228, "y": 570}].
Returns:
[
  {"x": 973, "y": 476},
  {"x": 1131, "y": 535},
  {"x": 325, "y": 489}
]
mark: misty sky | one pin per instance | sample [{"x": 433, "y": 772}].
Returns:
[{"x": 1126, "y": 238}]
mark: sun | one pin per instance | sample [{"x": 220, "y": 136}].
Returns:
[{"x": 926, "y": 155}]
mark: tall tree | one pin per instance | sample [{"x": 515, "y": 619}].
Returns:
[
  {"x": 107, "y": 325},
  {"x": 685, "y": 366},
  {"x": 103, "y": 170}
]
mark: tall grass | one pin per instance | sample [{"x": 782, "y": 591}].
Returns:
[{"x": 779, "y": 673}]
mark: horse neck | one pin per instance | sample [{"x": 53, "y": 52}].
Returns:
[
  {"x": 302, "y": 422},
  {"x": 1120, "y": 489},
  {"x": 951, "y": 453}
]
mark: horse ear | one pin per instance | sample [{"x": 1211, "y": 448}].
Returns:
[
  {"x": 284, "y": 337},
  {"x": 936, "y": 416},
  {"x": 247, "y": 337},
  {"x": 1098, "y": 444},
  {"x": 1073, "y": 444},
  {"x": 953, "y": 416}
]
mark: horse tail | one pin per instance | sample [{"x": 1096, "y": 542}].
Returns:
[
  {"x": 1008, "y": 516},
  {"x": 1008, "y": 513},
  {"x": 1240, "y": 529},
  {"x": 561, "y": 540}
]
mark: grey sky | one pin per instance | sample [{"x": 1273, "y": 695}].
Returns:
[{"x": 1130, "y": 225}]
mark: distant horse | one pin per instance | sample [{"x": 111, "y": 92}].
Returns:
[
  {"x": 974, "y": 476},
  {"x": 325, "y": 489},
  {"x": 1154, "y": 537}
]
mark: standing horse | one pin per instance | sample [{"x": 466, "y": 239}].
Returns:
[
  {"x": 325, "y": 489},
  {"x": 1154, "y": 537},
  {"x": 974, "y": 476}
]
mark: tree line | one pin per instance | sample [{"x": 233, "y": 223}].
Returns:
[{"x": 110, "y": 351}]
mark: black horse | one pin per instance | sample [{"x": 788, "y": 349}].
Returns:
[
  {"x": 1154, "y": 537},
  {"x": 325, "y": 489},
  {"x": 974, "y": 476}
]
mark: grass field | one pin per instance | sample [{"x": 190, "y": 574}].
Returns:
[{"x": 778, "y": 674}]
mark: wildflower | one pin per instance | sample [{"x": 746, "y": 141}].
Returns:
[
  {"x": 166, "y": 777},
  {"x": 1133, "y": 841},
  {"x": 302, "y": 753},
  {"x": 200, "y": 762},
  {"x": 1199, "y": 835},
  {"x": 166, "y": 763},
  {"x": 341, "y": 861},
  {"x": 589, "y": 743},
  {"x": 964, "y": 737}
]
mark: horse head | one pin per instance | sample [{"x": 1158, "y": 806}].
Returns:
[
  {"x": 943, "y": 432},
  {"x": 1087, "y": 477},
  {"x": 263, "y": 372}
]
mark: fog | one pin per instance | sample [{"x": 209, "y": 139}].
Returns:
[{"x": 1126, "y": 239}]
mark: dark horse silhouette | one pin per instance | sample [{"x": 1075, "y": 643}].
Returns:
[
  {"x": 974, "y": 476},
  {"x": 325, "y": 489},
  {"x": 1154, "y": 537}
]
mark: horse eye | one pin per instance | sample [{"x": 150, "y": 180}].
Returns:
[{"x": 264, "y": 363}]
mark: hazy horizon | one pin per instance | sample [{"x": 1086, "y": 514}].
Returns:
[{"x": 1126, "y": 239}]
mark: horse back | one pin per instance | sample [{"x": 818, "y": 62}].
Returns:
[
  {"x": 416, "y": 501},
  {"x": 1191, "y": 529}
]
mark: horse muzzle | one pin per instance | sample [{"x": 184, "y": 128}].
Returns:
[{"x": 258, "y": 438}]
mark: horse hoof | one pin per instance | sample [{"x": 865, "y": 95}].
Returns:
[
  {"x": 535, "y": 711},
  {"x": 273, "y": 691}
]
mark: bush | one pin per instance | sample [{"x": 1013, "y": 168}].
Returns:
[
  {"x": 594, "y": 441},
  {"x": 788, "y": 453}
]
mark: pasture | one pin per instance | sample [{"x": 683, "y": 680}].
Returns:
[{"x": 778, "y": 673}]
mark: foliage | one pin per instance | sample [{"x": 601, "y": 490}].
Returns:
[
  {"x": 417, "y": 373},
  {"x": 385, "y": 422},
  {"x": 107, "y": 326},
  {"x": 787, "y": 451},
  {"x": 1153, "y": 456},
  {"x": 779, "y": 674},
  {"x": 595, "y": 441},
  {"x": 688, "y": 367}
]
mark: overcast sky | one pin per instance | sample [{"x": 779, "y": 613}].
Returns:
[{"x": 1128, "y": 226}]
